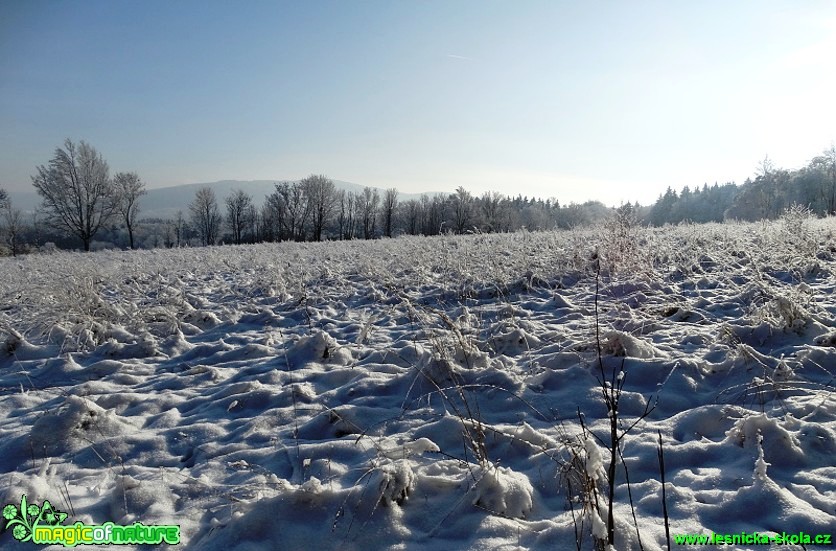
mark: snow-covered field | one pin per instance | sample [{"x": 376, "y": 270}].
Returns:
[{"x": 424, "y": 393}]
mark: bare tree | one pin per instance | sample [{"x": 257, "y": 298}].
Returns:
[
  {"x": 273, "y": 215},
  {"x": 129, "y": 188},
  {"x": 300, "y": 211},
  {"x": 179, "y": 229},
  {"x": 341, "y": 213},
  {"x": 321, "y": 196},
  {"x": 237, "y": 213},
  {"x": 351, "y": 215},
  {"x": 270, "y": 227},
  {"x": 390, "y": 203},
  {"x": 412, "y": 213},
  {"x": 347, "y": 214},
  {"x": 169, "y": 235},
  {"x": 766, "y": 188},
  {"x": 462, "y": 207},
  {"x": 435, "y": 216},
  {"x": 12, "y": 223},
  {"x": 205, "y": 215},
  {"x": 425, "y": 215},
  {"x": 765, "y": 167},
  {"x": 12, "y": 228},
  {"x": 368, "y": 204},
  {"x": 491, "y": 204},
  {"x": 36, "y": 229},
  {"x": 78, "y": 196},
  {"x": 289, "y": 203},
  {"x": 253, "y": 219}
]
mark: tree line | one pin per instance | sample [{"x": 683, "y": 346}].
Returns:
[
  {"x": 313, "y": 209},
  {"x": 765, "y": 196},
  {"x": 82, "y": 204}
]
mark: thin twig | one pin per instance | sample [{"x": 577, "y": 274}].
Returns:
[{"x": 664, "y": 495}]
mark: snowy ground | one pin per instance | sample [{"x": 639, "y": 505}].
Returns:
[{"x": 424, "y": 393}]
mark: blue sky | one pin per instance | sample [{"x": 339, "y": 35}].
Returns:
[{"x": 574, "y": 100}]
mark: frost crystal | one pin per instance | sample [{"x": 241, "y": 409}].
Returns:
[{"x": 760, "y": 463}]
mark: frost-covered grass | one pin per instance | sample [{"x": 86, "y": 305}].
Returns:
[{"x": 423, "y": 393}]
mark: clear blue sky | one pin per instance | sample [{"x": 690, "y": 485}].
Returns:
[{"x": 575, "y": 100}]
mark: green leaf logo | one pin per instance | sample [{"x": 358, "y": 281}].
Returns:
[
  {"x": 50, "y": 515},
  {"x": 23, "y": 520}
]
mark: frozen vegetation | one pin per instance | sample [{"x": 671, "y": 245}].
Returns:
[{"x": 427, "y": 393}]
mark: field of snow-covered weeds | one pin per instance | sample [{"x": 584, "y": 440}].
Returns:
[{"x": 426, "y": 393}]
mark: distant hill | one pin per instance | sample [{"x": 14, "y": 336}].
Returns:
[{"x": 165, "y": 202}]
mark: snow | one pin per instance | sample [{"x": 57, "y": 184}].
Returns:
[
  {"x": 425, "y": 393},
  {"x": 594, "y": 462},
  {"x": 502, "y": 491}
]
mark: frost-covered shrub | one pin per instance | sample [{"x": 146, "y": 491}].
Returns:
[
  {"x": 393, "y": 482},
  {"x": 786, "y": 312},
  {"x": 795, "y": 223},
  {"x": 619, "y": 246}
]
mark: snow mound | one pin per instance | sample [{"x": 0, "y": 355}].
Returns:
[
  {"x": 144, "y": 347},
  {"x": 828, "y": 340},
  {"x": 16, "y": 346},
  {"x": 74, "y": 425},
  {"x": 559, "y": 301},
  {"x": 312, "y": 487},
  {"x": 780, "y": 447},
  {"x": 318, "y": 347},
  {"x": 514, "y": 341},
  {"x": 618, "y": 343},
  {"x": 409, "y": 449},
  {"x": 504, "y": 492},
  {"x": 203, "y": 319},
  {"x": 140, "y": 499}
]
